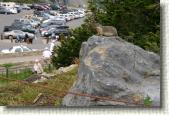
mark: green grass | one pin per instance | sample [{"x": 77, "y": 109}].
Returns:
[
  {"x": 17, "y": 94},
  {"x": 49, "y": 68},
  {"x": 19, "y": 76}
]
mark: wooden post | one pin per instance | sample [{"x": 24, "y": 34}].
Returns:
[
  {"x": 47, "y": 40},
  {"x": 2, "y": 37},
  {"x": 12, "y": 40}
]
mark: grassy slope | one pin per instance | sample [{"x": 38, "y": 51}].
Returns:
[
  {"x": 19, "y": 76},
  {"x": 15, "y": 94}
]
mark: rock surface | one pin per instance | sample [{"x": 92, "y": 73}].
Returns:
[{"x": 111, "y": 67}]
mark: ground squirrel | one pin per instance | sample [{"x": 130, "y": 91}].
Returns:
[{"x": 106, "y": 30}]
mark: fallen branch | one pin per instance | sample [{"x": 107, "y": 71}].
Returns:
[{"x": 37, "y": 98}]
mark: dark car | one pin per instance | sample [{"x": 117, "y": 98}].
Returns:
[
  {"x": 55, "y": 7},
  {"x": 7, "y": 28},
  {"x": 38, "y": 13},
  {"x": 29, "y": 29},
  {"x": 62, "y": 30},
  {"x": 53, "y": 22},
  {"x": 49, "y": 32},
  {"x": 19, "y": 9},
  {"x": 59, "y": 30},
  {"x": 39, "y": 7},
  {"x": 48, "y": 27},
  {"x": 18, "y": 25}
]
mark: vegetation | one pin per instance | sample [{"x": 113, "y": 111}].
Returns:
[
  {"x": 23, "y": 74},
  {"x": 137, "y": 21},
  {"x": 27, "y": 1},
  {"x": 65, "y": 54},
  {"x": 148, "y": 101},
  {"x": 17, "y": 94}
]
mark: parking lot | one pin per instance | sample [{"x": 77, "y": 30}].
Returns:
[{"x": 39, "y": 43}]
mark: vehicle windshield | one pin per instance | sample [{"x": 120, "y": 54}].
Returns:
[
  {"x": 18, "y": 50},
  {"x": 26, "y": 48},
  {"x": 17, "y": 31}
]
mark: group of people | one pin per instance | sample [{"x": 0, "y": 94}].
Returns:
[
  {"x": 46, "y": 55},
  {"x": 23, "y": 39}
]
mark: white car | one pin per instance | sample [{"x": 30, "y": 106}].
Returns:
[
  {"x": 25, "y": 7},
  {"x": 30, "y": 21},
  {"x": 60, "y": 18},
  {"x": 66, "y": 16},
  {"x": 72, "y": 14},
  {"x": 81, "y": 10},
  {"x": 55, "y": 19},
  {"x": 48, "y": 16},
  {"x": 46, "y": 31},
  {"x": 53, "y": 12},
  {"x": 12, "y": 10},
  {"x": 18, "y": 49},
  {"x": 81, "y": 14}
]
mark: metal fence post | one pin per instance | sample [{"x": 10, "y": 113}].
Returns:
[{"x": 7, "y": 72}]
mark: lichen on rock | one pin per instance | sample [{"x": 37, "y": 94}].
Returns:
[{"x": 112, "y": 67}]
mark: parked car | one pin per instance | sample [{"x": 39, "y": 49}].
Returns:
[
  {"x": 65, "y": 17},
  {"x": 53, "y": 12},
  {"x": 62, "y": 30},
  {"x": 82, "y": 14},
  {"x": 14, "y": 33},
  {"x": 55, "y": 7},
  {"x": 53, "y": 22},
  {"x": 17, "y": 25},
  {"x": 12, "y": 10},
  {"x": 3, "y": 10},
  {"x": 17, "y": 49},
  {"x": 19, "y": 9},
  {"x": 38, "y": 7},
  {"x": 29, "y": 29},
  {"x": 25, "y": 7},
  {"x": 7, "y": 28},
  {"x": 59, "y": 30},
  {"x": 48, "y": 16},
  {"x": 72, "y": 14},
  {"x": 32, "y": 22},
  {"x": 46, "y": 29},
  {"x": 48, "y": 32},
  {"x": 35, "y": 23}
]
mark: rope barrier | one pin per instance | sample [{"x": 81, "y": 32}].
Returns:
[{"x": 63, "y": 93}]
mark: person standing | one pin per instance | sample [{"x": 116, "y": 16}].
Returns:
[
  {"x": 18, "y": 39},
  {"x": 37, "y": 67},
  {"x": 26, "y": 38},
  {"x": 52, "y": 46},
  {"x": 46, "y": 55}
]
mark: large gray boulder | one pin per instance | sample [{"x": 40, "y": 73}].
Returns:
[{"x": 112, "y": 67}]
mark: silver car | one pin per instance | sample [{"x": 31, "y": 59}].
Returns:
[{"x": 14, "y": 33}]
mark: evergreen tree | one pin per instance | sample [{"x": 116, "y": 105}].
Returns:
[{"x": 137, "y": 21}]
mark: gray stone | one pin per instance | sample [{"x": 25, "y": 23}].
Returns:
[{"x": 112, "y": 67}]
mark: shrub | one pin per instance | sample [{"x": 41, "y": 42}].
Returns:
[
  {"x": 65, "y": 54},
  {"x": 147, "y": 101}
]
